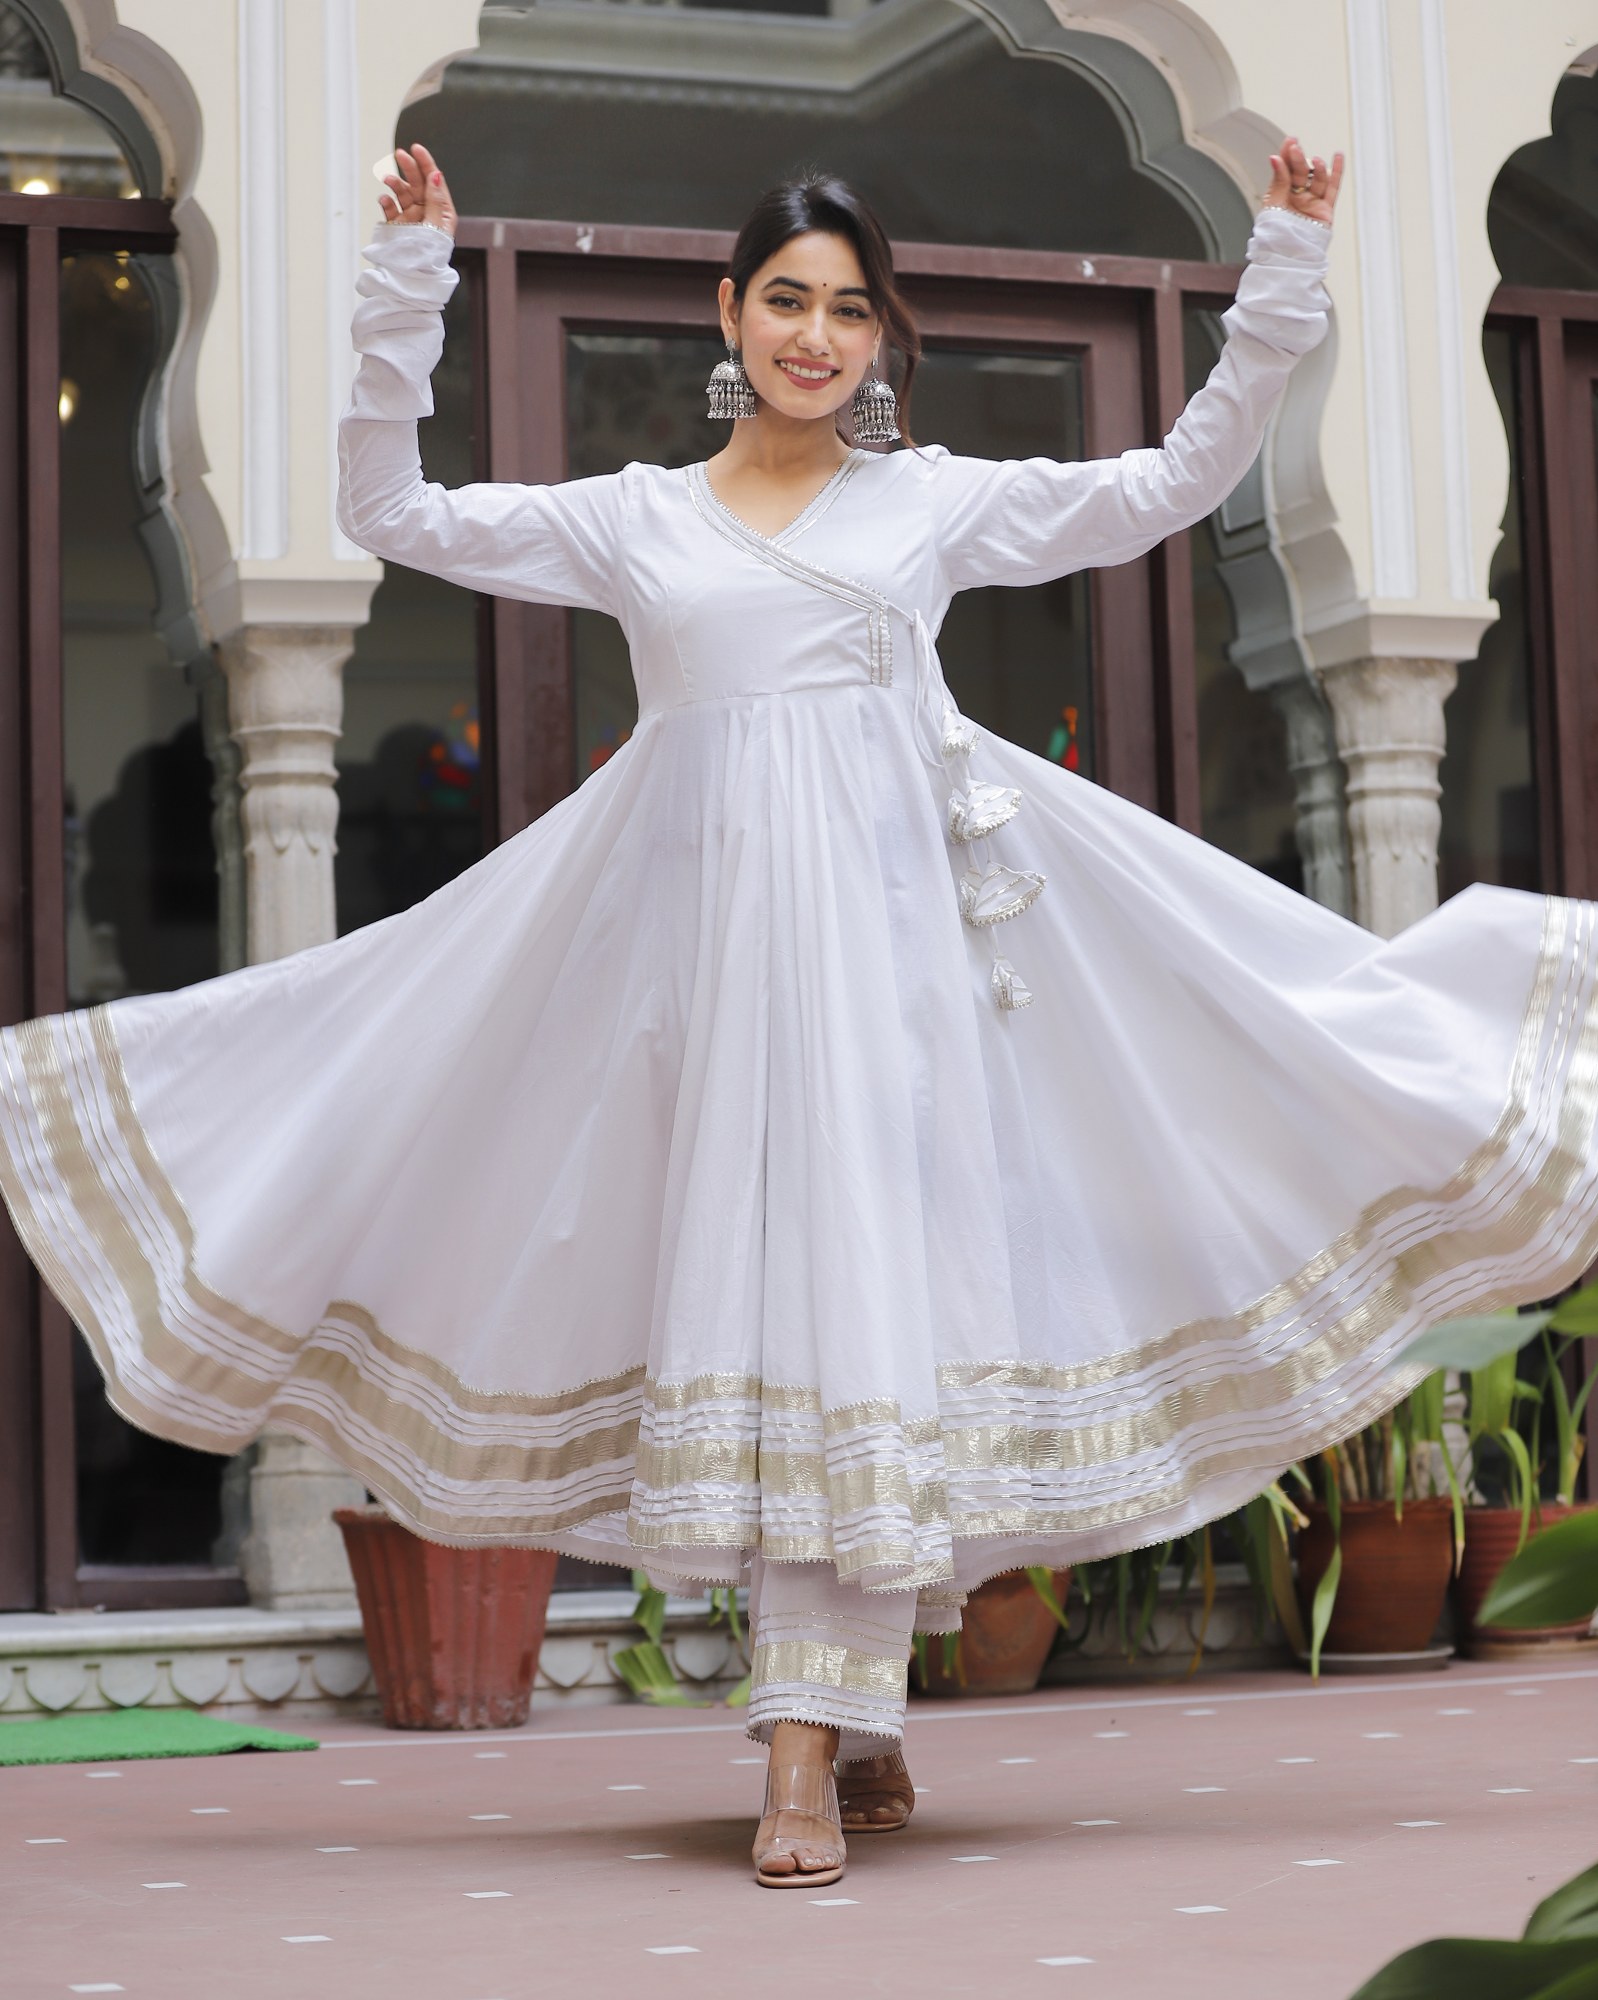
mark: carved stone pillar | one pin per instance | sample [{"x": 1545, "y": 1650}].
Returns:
[
  {"x": 1389, "y": 719},
  {"x": 285, "y": 702},
  {"x": 1317, "y": 792}
]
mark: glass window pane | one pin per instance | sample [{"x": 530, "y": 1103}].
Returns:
[
  {"x": 409, "y": 760},
  {"x": 1490, "y": 814},
  {"x": 1019, "y": 661},
  {"x": 141, "y": 868}
]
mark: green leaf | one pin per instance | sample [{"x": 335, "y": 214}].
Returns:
[
  {"x": 1571, "y": 1911},
  {"x": 1553, "y": 1581},
  {"x": 1578, "y": 1313},
  {"x": 1043, "y": 1583},
  {"x": 1487, "y": 1969},
  {"x": 1470, "y": 1342},
  {"x": 738, "y": 1697},
  {"x": 1492, "y": 1397},
  {"x": 647, "y": 1672},
  {"x": 1515, "y": 1445},
  {"x": 650, "y": 1611},
  {"x": 1321, "y": 1609}
]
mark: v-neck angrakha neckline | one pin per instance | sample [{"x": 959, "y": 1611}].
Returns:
[{"x": 811, "y": 511}]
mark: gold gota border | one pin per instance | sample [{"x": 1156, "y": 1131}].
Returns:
[
  {"x": 814, "y": 1663},
  {"x": 69, "y": 1144}
]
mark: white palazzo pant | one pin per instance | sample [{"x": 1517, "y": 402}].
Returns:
[{"x": 829, "y": 1652}]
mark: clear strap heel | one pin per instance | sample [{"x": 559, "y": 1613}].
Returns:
[
  {"x": 875, "y": 1785},
  {"x": 798, "y": 1796}
]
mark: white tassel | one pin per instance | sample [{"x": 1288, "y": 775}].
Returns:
[
  {"x": 959, "y": 736},
  {"x": 1009, "y": 988},
  {"x": 981, "y": 809},
  {"x": 997, "y": 893}
]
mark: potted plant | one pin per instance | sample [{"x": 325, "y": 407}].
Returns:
[
  {"x": 1006, "y": 1631},
  {"x": 1509, "y": 1414},
  {"x": 647, "y": 1668},
  {"x": 453, "y": 1634},
  {"x": 1374, "y": 1554},
  {"x": 1354, "y": 1537}
]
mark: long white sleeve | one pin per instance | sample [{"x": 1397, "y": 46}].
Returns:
[
  {"x": 1018, "y": 521},
  {"x": 549, "y": 544}
]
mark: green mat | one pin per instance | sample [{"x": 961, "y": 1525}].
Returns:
[{"x": 109, "y": 1735}]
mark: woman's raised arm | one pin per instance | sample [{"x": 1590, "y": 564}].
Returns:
[
  {"x": 556, "y": 544},
  {"x": 1021, "y": 521}
]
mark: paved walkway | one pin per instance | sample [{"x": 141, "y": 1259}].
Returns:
[{"x": 1243, "y": 1837}]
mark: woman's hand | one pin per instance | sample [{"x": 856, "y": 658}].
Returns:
[
  {"x": 1307, "y": 187},
  {"x": 418, "y": 193}
]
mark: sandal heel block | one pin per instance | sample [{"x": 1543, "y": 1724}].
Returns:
[{"x": 798, "y": 1792}]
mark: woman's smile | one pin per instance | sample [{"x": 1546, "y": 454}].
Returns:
[{"x": 808, "y": 374}]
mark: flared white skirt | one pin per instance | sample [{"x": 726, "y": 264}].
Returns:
[{"x": 669, "y": 1186}]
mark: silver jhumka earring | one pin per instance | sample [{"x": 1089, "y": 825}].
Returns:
[
  {"x": 729, "y": 389},
  {"x": 874, "y": 411}
]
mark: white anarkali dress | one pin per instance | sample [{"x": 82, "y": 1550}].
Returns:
[{"x": 675, "y": 1182}]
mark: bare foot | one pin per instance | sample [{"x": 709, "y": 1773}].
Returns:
[
  {"x": 875, "y": 1794},
  {"x": 799, "y": 1837}
]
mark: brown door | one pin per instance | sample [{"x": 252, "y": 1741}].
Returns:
[{"x": 588, "y": 360}]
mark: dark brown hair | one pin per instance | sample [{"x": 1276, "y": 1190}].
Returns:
[{"x": 822, "y": 201}]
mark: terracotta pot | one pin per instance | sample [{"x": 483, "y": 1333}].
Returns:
[
  {"x": 1394, "y": 1578},
  {"x": 1005, "y": 1634},
  {"x": 453, "y": 1634},
  {"x": 1490, "y": 1537}
]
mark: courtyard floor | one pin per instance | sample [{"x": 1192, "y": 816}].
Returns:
[{"x": 1241, "y": 1836}]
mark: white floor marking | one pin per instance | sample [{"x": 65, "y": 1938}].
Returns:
[
  {"x": 1185, "y": 1711},
  {"x": 338, "y": 1850},
  {"x": 1201, "y": 1909},
  {"x": 649, "y": 1857},
  {"x": 1417, "y": 1822},
  {"x": 1456, "y": 1711},
  {"x": 1381, "y": 1735},
  {"x": 1106, "y": 1734},
  {"x": 1295, "y": 1760},
  {"x": 833, "y": 1902},
  {"x": 663, "y": 1950},
  {"x": 313, "y": 1937},
  {"x": 973, "y": 1857},
  {"x": 1504, "y": 1790},
  {"x": 99, "y": 1988},
  {"x": 1095, "y": 1822},
  {"x": 1584, "y": 1760},
  {"x": 1065, "y": 1961},
  {"x": 166, "y": 1885},
  {"x": 1355, "y": 1690},
  {"x": 357, "y": 1781},
  {"x": 1018, "y": 1760},
  {"x": 48, "y": 1840},
  {"x": 210, "y": 1809},
  {"x": 484, "y": 1895},
  {"x": 1578, "y": 1760},
  {"x": 1522, "y": 1690},
  {"x": 491, "y": 1753},
  {"x": 488, "y": 1815},
  {"x": 1322, "y": 1862},
  {"x": 624, "y": 1788},
  {"x": 102, "y": 1774},
  {"x": 1203, "y": 1788},
  {"x": 747, "y": 1760}
]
